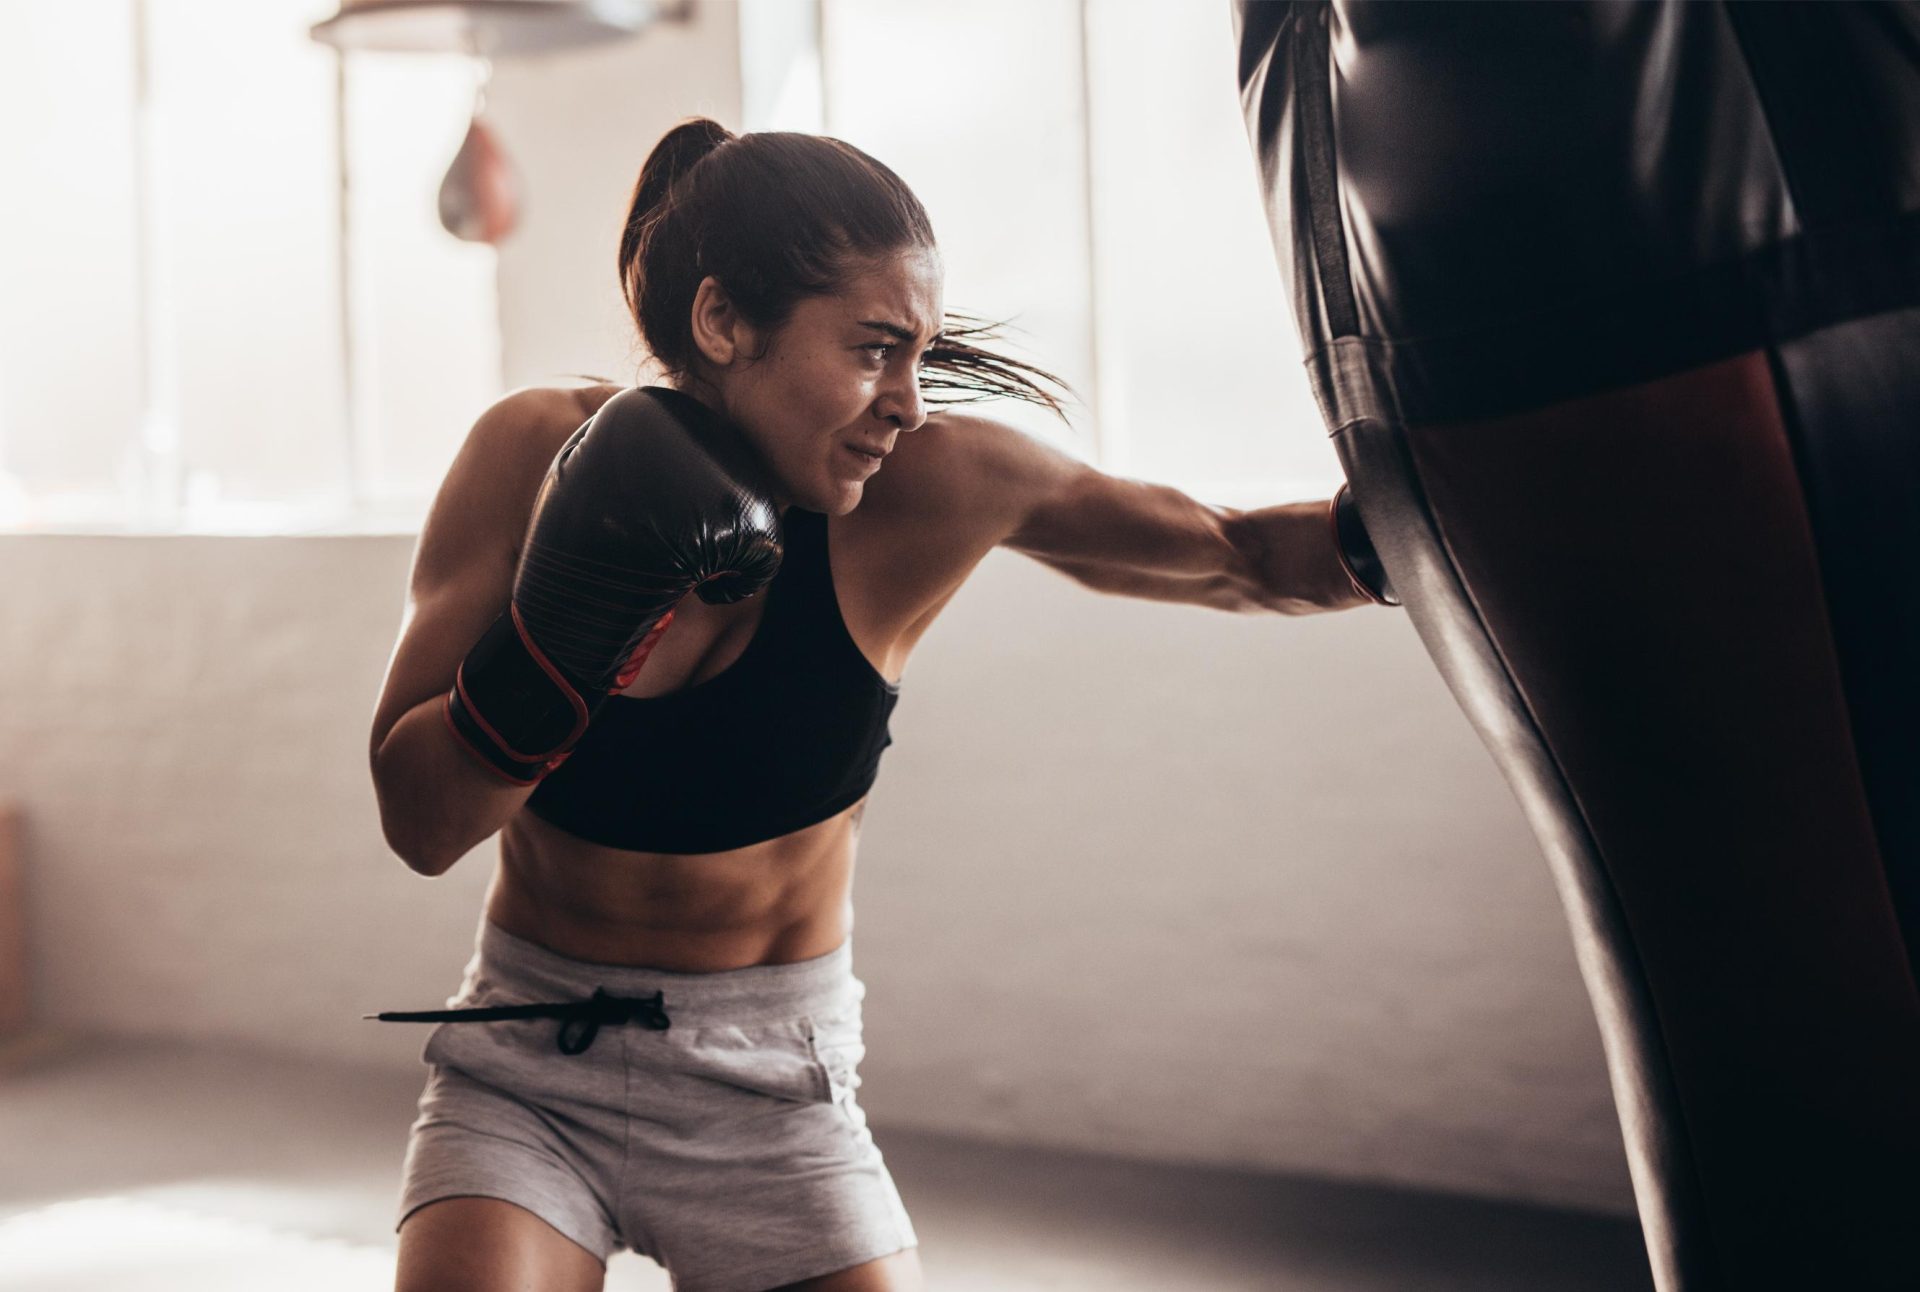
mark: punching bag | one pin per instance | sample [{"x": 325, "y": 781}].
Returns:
[{"x": 1612, "y": 308}]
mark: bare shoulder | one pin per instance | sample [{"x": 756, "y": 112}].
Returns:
[
  {"x": 538, "y": 418},
  {"x": 967, "y": 470},
  {"x": 481, "y": 509},
  {"x": 532, "y": 419},
  {"x": 951, "y": 492},
  {"x": 586, "y": 399},
  {"x": 463, "y": 565}
]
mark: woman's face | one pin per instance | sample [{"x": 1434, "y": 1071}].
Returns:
[{"x": 824, "y": 397}]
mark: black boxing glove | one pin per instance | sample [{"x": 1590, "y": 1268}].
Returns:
[
  {"x": 1357, "y": 557},
  {"x": 655, "y": 497}
]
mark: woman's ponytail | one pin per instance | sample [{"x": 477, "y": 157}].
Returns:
[{"x": 659, "y": 271}]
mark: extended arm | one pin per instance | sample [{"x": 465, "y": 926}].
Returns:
[
  {"x": 1127, "y": 537},
  {"x": 1141, "y": 540}
]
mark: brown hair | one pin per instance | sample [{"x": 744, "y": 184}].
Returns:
[{"x": 774, "y": 217}]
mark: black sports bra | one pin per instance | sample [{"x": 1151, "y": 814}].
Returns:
[{"x": 788, "y": 735}]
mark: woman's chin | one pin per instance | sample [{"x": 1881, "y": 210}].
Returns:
[
  {"x": 847, "y": 495},
  {"x": 834, "y": 497}
]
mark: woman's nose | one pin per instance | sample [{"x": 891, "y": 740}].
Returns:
[{"x": 902, "y": 403}]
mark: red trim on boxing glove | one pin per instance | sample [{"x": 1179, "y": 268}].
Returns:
[
  {"x": 491, "y": 757},
  {"x": 507, "y": 690},
  {"x": 631, "y": 669}
]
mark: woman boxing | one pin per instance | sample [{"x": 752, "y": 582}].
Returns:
[{"x": 665, "y": 1032}]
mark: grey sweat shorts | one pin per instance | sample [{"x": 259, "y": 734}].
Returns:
[{"x": 727, "y": 1147}]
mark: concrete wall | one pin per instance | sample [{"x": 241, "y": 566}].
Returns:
[{"x": 1137, "y": 878}]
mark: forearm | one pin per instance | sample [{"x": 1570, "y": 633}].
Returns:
[
  {"x": 1218, "y": 590},
  {"x": 1135, "y": 538},
  {"x": 436, "y": 799},
  {"x": 1287, "y": 559},
  {"x": 1277, "y": 559}
]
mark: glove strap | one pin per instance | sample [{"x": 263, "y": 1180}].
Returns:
[
  {"x": 512, "y": 708},
  {"x": 1357, "y": 555}
]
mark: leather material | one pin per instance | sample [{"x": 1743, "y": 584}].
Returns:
[
  {"x": 1611, "y": 310},
  {"x": 1673, "y": 1212},
  {"x": 1851, "y": 400},
  {"x": 1621, "y": 189},
  {"x": 1356, "y": 551},
  {"x": 787, "y": 735},
  {"x": 655, "y": 497},
  {"x": 1643, "y": 567}
]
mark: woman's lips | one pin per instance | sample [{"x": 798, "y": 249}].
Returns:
[{"x": 867, "y": 459}]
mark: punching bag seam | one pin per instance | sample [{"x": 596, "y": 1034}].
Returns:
[
  {"x": 1316, "y": 154},
  {"x": 1793, "y": 431}
]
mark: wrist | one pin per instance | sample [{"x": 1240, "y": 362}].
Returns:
[
  {"x": 1289, "y": 561},
  {"x": 512, "y": 708},
  {"x": 488, "y": 751}
]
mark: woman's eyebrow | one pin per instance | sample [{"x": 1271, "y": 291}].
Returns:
[{"x": 902, "y": 334}]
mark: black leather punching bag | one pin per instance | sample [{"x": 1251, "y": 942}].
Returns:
[{"x": 1613, "y": 310}]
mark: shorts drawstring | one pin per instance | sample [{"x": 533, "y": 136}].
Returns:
[{"x": 580, "y": 1020}]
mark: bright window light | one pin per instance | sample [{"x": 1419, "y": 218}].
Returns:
[
  {"x": 186, "y": 342},
  {"x": 1088, "y": 174}
]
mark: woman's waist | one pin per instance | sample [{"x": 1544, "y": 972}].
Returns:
[
  {"x": 778, "y": 902},
  {"x": 508, "y": 969}
]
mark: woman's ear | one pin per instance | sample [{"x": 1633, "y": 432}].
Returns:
[{"x": 717, "y": 326}]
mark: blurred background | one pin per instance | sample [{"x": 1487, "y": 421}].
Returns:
[{"x": 1155, "y": 903}]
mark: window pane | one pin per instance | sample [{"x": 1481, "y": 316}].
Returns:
[
  {"x": 170, "y": 271},
  {"x": 70, "y": 358},
  {"x": 780, "y": 85},
  {"x": 1205, "y": 386},
  {"x": 978, "y": 108},
  {"x": 425, "y": 312},
  {"x": 244, "y": 238}
]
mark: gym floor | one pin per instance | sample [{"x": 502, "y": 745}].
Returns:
[{"x": 148, "y": 1167}]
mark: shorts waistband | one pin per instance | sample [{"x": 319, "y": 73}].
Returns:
[{"x": 758, "y": 993}]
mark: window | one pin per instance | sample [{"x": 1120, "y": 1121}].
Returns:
[
  {"x": 978, "y": 107},
  {"x": 186, "y": 339},
  {"x": 203, "y": 328},
  {"x": 1088, "y": 173}
]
